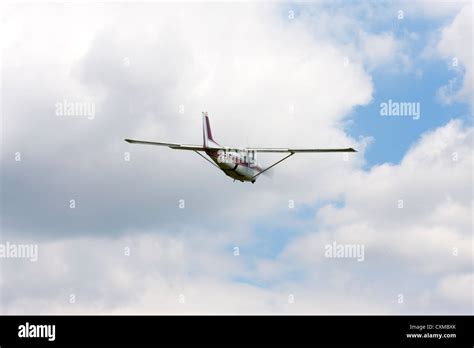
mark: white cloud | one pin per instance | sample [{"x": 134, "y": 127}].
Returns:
[
  {"x": 379, "y": 49},
  {"x": 455, "y": 46},
  {"x": 417, "y": 251},
  {"x": 433, "y": 8},
  {"x": 158, "y": 270},
  {"x": 458, "y": 288},
  {"x": 431, "y": 236},
  {"x": 353, "y": 35},
  {"x": 247, "y": 65}
]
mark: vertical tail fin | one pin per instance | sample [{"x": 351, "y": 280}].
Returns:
[{"x": 208, "y": 140}]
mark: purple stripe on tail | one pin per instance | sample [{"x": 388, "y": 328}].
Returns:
[{"x": 208, "y": 128}]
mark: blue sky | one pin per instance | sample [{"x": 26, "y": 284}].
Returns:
[{"x": 393, "y": 136}]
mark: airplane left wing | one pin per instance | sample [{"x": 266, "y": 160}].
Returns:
[{"x": 173, "y": 146}]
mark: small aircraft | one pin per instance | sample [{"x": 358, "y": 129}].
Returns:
[{"x": 239, "y": 164}]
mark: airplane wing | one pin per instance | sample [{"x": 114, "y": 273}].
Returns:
[
  {"x": 170, "y": 145},
  {"x": 291, "y": 152},
  {"x": 350, "y": 149}
]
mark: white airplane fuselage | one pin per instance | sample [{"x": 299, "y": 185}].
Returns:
[{"x": 238, "y": 164}]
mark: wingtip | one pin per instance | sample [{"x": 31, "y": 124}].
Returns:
[{"x": 128, "y": 140}]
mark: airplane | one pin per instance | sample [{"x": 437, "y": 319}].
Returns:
[{"x": 239, "y": 164}]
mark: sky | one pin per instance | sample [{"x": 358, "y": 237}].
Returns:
[{"x": 122, "y": 229}]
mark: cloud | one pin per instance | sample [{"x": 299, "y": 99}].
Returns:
[
  {"x": 138, "y": 75},
  {"x": 454, "y": 48},
  {"x": 384, "y": 49},
  {"x": 457, "y": 288},
  {"x": 247, "y": 66},
  {"x": 160, "y": 275},
  {"x": 429, "y": 240},
  {"x": 429, "y": 237},
  {"x": 358, "y": 33},
  {"x": 266, "y": 80},
  {"x": 433, "y": 8}
]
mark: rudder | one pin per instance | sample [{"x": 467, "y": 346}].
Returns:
[{"x": 206, "y": 131}]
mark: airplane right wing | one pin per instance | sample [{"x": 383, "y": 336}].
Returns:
[
  {"x": 291, "y": 152},
  {"x": 283, "y": 150}
]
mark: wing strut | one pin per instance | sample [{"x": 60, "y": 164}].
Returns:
[
  {"x": 273, "y": 165},
  {"x": 207, "y": 159}
]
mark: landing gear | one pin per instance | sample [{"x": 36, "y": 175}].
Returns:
[{"x": 253, "y": 181}]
